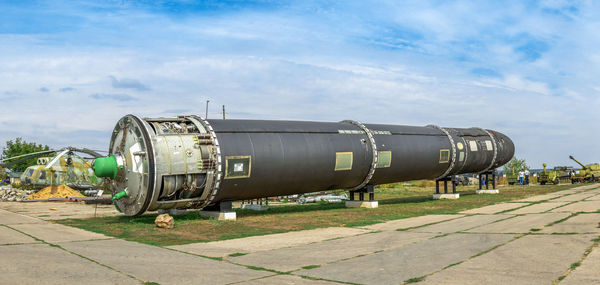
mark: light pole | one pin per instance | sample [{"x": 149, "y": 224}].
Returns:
[{"x": 206, "y": 115}]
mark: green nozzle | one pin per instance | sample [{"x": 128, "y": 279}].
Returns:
[
  {"x": 120, "y": 195},
  {"x": 106, "y": 166}
]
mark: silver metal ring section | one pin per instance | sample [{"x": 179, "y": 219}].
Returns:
[
  {"x": 453, "y": 145},
  {"x": 375, "y": 154},
  {"x": 214, "y": 188},
  {"x": 495, "y": 150},
  {"x": 156, "y": 190}
]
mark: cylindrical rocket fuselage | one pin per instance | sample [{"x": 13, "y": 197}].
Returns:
[{"x": 189, "y": 162}]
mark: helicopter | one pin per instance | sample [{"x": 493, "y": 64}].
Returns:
[{"x": 66, "y": 167}]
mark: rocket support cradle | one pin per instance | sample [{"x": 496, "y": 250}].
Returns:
[{"x": 189, "y": 162}]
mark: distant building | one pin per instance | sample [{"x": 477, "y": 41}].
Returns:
[{"x": 14, "y": 176}]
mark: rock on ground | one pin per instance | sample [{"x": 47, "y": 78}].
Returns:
[{"x": 164, "y": 221}]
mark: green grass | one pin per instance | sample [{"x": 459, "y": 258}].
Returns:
[
  {"x": 575, "y": 265},
  {"x": 237, "y": 254},
  {"x": 415, "y": 280},
  {"x": 263, "y": 269},
  {"x": 394, "y": 203},
  {"x": 311, "y": 267}
]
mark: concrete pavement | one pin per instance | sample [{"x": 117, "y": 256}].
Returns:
[{"x": 539, "y": 240}]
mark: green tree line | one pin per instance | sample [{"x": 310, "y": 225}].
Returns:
[
  {"x": 515, "y": 165},
  {"x": 19, "y": 146}
]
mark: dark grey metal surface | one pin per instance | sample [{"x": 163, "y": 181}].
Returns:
[{"x": 295, "y": 157}]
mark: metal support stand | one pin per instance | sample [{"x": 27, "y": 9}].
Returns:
[
  {"x": 361, "y": 203},
  {"x": 220, "y": 211},
  {"x": 259, "y": 206},
  {"x": 445, "y": 195},
  {"x": 487, "y": 189}
]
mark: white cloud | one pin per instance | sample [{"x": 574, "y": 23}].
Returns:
[{"x": 290, "y": 64}]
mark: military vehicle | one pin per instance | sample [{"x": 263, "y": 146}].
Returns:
[
  {"x": 548, "y": 176},
  {"x": 587, "y": 173},
  {"x": 512, "y": 178},
  {"x": 66, "y": 167},
  {"x": 465, "y": 179}
]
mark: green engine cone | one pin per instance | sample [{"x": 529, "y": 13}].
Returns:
[{"x": 106, "y": 166}]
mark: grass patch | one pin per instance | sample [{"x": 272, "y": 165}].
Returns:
[
  {"x": 151, "y": 283},
  {"x": 262, "y": 269},
  {"x": 575, "y": 265},
  {"x": 415, "y": 280},
  {"x": 453, "y": 264},
  {"x": 535, "y": 230},
  {"x": 237, "y": 254},
  {"x": 311, "y": 266},
  {"x": 394, "y": 203},
  {"x": 562, "y": 220},
  {"x": 321, "y": 279}
]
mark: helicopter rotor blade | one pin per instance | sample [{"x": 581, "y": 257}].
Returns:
[
  {"x": 56, "y": 158},
  {"x": 93, "y": 153},
  {"x": 23, "y": 157},
  {"x": 39, "y": 153}
]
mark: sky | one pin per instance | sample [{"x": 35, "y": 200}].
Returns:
[{"x": 529, "y": 69}]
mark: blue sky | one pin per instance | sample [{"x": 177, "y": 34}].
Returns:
[{"x": 69, "y": 70}]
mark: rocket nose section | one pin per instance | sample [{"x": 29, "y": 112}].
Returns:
[{"x": 506, "y": 148}]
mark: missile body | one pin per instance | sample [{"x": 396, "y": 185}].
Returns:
[{"x": 189, "y": 162}]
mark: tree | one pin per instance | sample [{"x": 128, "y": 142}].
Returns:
[
  {"x": 515, "y": 165},
  {"x": 19, "y": 147}
]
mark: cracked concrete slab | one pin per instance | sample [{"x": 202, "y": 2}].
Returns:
[
  {"x": 538, "y": 208},
  {"x": 541, "y": 197},
  {"x": 461, "y": 224},
  {"x": 10, "y": 236},
  {"x": 44, "y": 264},
  {"x": 574, "y": 197},
  {"x": 287, "y": 280},
  {"x": 583, "y": 206},
  {"x": 533, "y": 259},
  {"x": 582, "y": 223},
  {"x": 494, "y": 209},
  {"x": 10, "y": 218},
  {"x": 52, "y": 233},
  {"x": 415, "y": 260},
  {"x": 155, "y": 264},
  {"x": 587, "y": 272},
  {"x": 593, "y": 198},
  {"x": 60, "y": 210},
  {"x": 411, "y": 222},
  {"x": 520, "y": 224},
  {"x": 293, "y": 258},
  {"x": 266, "y": 242},
  {"x": 578, "y": 189}
]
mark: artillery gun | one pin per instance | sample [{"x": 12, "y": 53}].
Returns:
[
  {"x": 554, "y": 176},
  {"x": 588, "y": 173},
  {"x": 548, "y": 176}
]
